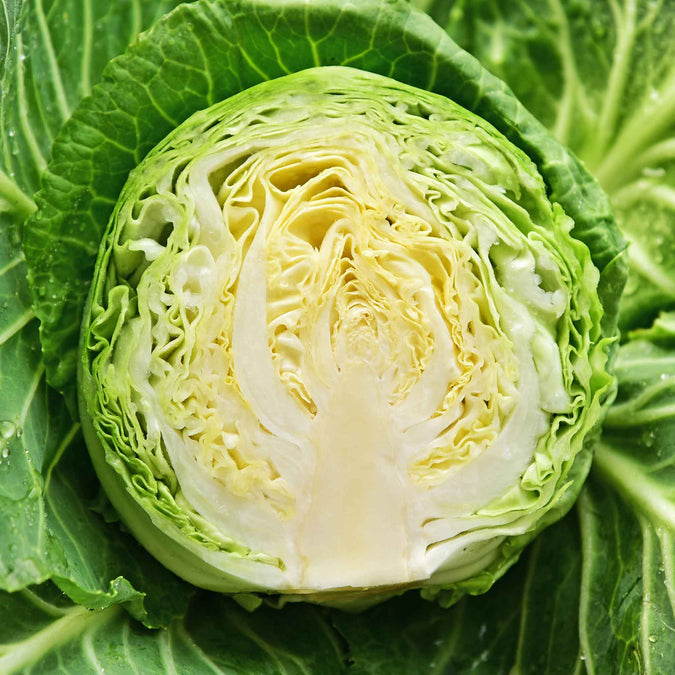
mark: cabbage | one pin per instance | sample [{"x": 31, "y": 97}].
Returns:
[{"x": 339, "y": 343}]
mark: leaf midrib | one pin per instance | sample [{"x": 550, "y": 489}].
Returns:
[
  {"x": 77, "y": 622},
  {"x": 636, "y": 136},
  {"x": 628, "y": 478}
]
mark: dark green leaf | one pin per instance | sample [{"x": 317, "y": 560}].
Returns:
[
  {"x": 43, "y": 634},
  {"x": 628, "y": 519},
  {"x": 47, "y": 529}
]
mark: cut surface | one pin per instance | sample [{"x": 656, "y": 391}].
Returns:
[{"x": 334, "y": 337}]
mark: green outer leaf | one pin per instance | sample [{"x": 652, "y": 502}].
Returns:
[
  {"x": 8, "y": 22},
  {"x": 628, "y": 517},
  {"x": 47, "y": 528},
  {"x": 661, "y": 332},
  {"x": 56, "y": 50},
  {"x": 627, "y": 624},
  {"x": 208, "y": 51},
  {"x": 43, "y": 634},
  {"x": 601, "y": 75}
]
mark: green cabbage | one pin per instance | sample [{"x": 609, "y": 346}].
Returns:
[{"x": 339, "y": 343}]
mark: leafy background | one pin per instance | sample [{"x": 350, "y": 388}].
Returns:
[
  {"x": 594, "y": 593},
  {"x": 601, "y": 75}
]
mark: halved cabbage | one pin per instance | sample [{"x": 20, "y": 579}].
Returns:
[{"x": 339, "y": 339}]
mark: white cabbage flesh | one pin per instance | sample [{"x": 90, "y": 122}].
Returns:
[{"x": 345, "y": 340}]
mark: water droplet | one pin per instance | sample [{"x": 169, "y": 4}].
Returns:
[
  {"x": 654, "y": 172},
  {"x": 7, "y": 429}
]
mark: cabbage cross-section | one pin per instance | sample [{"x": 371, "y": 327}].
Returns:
[{"x": 339, "y": 338}]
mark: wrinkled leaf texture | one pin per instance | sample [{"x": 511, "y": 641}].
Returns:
[{"x": 528, "y": 622}]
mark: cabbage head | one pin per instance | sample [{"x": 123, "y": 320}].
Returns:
[{"x": 340, "y": 342}]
